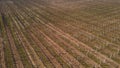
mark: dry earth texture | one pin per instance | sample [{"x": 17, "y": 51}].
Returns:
[{"x": 59, "y": 34}]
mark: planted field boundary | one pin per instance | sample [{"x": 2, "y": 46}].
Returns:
[{"x": 53, "y": 34}]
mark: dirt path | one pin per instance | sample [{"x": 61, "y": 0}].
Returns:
[{"x": 2, "y": 58}]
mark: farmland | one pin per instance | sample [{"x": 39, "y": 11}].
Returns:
[{"x": 59, "y": 34}]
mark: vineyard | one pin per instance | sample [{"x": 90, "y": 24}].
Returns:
[{"x": 59, "y": 34}]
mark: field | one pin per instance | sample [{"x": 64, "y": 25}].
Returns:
[{"x": 59, "y": 34}]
